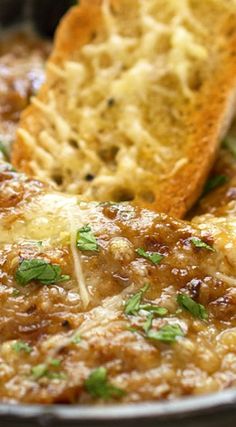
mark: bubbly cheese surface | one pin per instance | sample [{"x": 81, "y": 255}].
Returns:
[
  {"x": 116, "y": 104},
  {"x": 75, "y": 326}
]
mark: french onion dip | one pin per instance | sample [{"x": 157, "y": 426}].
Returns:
[
  {"x": 107, "y": 302},
  {"x": 22, "y": 58}
]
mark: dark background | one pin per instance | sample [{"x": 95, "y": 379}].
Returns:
[{"x": 45, "y": 14}]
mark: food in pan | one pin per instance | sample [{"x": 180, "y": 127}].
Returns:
[
  {"x": 109, "y": 302},
  {"x": 22, "y": 58},
  {"x": 103, "y": 301},
  {"x": 131, "y": 108}
]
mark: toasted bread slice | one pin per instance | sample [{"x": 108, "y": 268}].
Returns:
[{"x": 137, "y": 96}]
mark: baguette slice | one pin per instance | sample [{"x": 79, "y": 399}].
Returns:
[{"x": 138, "y": 95}]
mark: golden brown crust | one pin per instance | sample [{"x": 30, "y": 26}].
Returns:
[
  {"x": 206, "y": 122},
  {"x": 210, "y": 123},
  {"x": 68, "y": 38}
]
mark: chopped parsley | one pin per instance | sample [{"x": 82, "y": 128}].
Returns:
[
  {"x": 154, "y": 309},
  {"x": 76, "y": 339},
  {"x": 168, "y": 333},
  {"x": 39, "y": 371},
  {"x": 98, "y": 385},
  {"x": 42, "y": 370},
  {"x": 198, "y": 243},
  {"x": 197, "y": 310},
  {"x": 15, "y": 293},
  {"x": 215, "y": 182},
  {"x": 55, "y": 362},
  {"x": 86, "y": 241},
  {"x": 40, "y": 270},
  {"x": 230, "y": 144},
  {"x": 154, "y": 257},
  {"x": 132, "y": 306},
  {"x": 4, "y": 151},
  {"x": 148, "y": 324},
  {"x": 56, "y": 376},
  {"x": 19, "y": 346}
]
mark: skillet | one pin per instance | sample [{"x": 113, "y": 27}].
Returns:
[{"x": 218, "y": 410}]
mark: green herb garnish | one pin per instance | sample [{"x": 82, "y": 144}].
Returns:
[
  {"x": 42, "y": 370},
  {"x": 86, "y": 241},
  {"x": 56, "y": 375},
  {"x": 15, "y": 293},
  {"x": 154, "y": 257},
  {"x": 197, "y": 310},
  {"x": 21, "y": 346},
  {"x": 39, "y": 371},
  {"x": 148, "y": 324},
  {"x": 132, "y": 329},
  {"x": 230, "y": 144},
  {"x": 97, "y": 385},
  {"x": 168, "y": 333},
  {"x": 215, "y": 182},
  {"x": 4, "y": 151},
  {"x": 76, "y": 339},
  {"x": 55, "y": 362},
  {"x": 158, "y": 311},
  {"x": 40, "y": 270},
  {"x": 132, "y": 306},
  {"x": 198, "y": 243}
]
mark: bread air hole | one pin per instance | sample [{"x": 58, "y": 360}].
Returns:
[
  {"x": 57, "y": 178},
  {"x": 109, "y": 154},
  {"x": 73, "y": 143},
  {"x": 123, "y": 195}
]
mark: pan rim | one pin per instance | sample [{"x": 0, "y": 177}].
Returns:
[{"x": 188, "y": 407}]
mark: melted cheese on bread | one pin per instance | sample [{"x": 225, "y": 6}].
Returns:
[{"x": 119, "y": 115}]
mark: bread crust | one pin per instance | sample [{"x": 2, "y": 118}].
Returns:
[{"x": 209, "y": 120}]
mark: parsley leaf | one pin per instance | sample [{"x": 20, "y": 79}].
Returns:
[
  {"x": 4, "y": 150},
  {"x": 97, "y": 385},
  {"x": 132, "y": 306},
  {"x": 230, "y": 144},
  {"x": 19, "y": 346},
  {"x": 198, "y": 243},
  {"x": 168, "y": 333},
  {"x": 197, "y": 310},
  {"x": 158, "y": 311},
  {"x": 55, "y": 362},
  {"x": 56, "y": 375},
  {"x": 215, "y": 182},
  {"x": 76, "y": 339},
  {"x": 148, "y": 324},
  {"x": 39, "y": 371},
  {"x": 86, "y": 241},
  {"x": 42, "y": 370},
  {"x": 41, "y": 270},
  {"x": 154, "y": 257}
]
